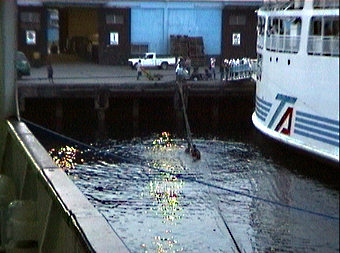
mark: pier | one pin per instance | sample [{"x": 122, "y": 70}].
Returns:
[{"x": 102, "y": 90}]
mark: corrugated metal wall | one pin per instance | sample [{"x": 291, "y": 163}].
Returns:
[
  {"x": 153, "y": 23},
  {"x": 144, "y": 29},
  {"x": 198, "y": 22}
]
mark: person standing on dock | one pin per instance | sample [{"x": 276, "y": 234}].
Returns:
[
  {"x": 213, "y": 67},
  {"x": 188, "y": 65},
  {"x": 222, "y": 68},
  {"x": 226, "y": 67},
  {"x": 50, "y": 72},
  {"x": 139, "y": 69}
]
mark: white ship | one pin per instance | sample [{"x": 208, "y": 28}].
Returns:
[{"x": 297, "y": 82}]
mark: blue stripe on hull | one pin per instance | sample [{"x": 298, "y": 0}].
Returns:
[
  {"x": 318, "y": 138},
  {"x": 318, "y": 118},
  {"x": 262, "y": 108},
  {"x": 317, "y": 128},
  {"x": 317, "y": 131}
]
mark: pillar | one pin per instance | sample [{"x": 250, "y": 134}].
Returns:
[
  {"x": 101, "y": 104},
  {"x": 135, "y": 116},
  {"x": 59, "y": 114},
  {"x": 215, "y": 114},
  {"x": 178, "y": 114}
]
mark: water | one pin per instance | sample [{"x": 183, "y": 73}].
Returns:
[{"x": 160, "y": 200}]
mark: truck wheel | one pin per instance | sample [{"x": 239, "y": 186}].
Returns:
[{"x": 164, "y": 65}]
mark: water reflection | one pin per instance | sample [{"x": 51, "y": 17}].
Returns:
[
  {"x": 66, "y": 157},
  {"x": 166, "y": 190},
  {"x": 162, "y": 201}
]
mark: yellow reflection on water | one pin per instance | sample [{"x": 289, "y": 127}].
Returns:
[
  {"x": 65, "y": 157},
  {"x": 163, "y": 141},
  {"x": 166, "y": 190}
]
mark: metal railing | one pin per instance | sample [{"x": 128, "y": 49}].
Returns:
[
  {"x": 283, "y": 43},
  {"x": 241, "y": 70},
  {"x": 283, "y": 5},
  {"x": 260, "y": 41},
  {"x": 323, "y": 45}
]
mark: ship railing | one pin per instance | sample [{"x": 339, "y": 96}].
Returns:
[
  {"x": 243, "y": 70},
  {"x": 282, "y": 5},
  {"x": 283, "y": 43},
  {"x": 323, "y": 45},
  {"x": 325, "y": 4},
  {"x": 260, "y": 41}
]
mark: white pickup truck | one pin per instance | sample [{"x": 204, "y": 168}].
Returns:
[{"x": 151, "y": 60}]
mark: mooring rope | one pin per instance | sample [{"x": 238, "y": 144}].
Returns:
[
  {"x": 187, "y": 126},
  {"x": 183, "y": 176}
]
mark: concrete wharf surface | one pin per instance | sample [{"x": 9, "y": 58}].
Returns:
[
  {"x": 90, "y": 73},
  {"x": 87, "y": 79}
]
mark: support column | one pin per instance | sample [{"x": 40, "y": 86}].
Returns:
[
  {"x": 178, "y": 114},
  {"x": 215, "y": 114},
  {"x": 135, "y": 116},
  {"x": 21, "y": 104},
  {"x": 8, "y": 42},
  {"x": 59, "y": 115},
  {"x": 101, "y": 104}
]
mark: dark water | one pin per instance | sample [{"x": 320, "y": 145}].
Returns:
[
  {"x": 266, "y": 196},
  {"x": 159, "y": 200}
]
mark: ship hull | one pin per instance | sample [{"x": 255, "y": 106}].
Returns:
[{"x": 300, "y": 107}]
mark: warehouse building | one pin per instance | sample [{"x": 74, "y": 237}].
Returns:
[{"x": 108, "y": 32}]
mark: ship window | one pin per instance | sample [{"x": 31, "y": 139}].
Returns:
[
  {"x": 326, "y": 4},
  {"x": 261, "y": 24},
  {"x": 259, "y": 67},
  {"x": 323, "y": 36},
  {"x": 283, "y": 34}
]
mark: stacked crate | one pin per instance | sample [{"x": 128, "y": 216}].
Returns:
[
  {"x": 178, "y": 45},
  {"x": 184, "y": 46}
]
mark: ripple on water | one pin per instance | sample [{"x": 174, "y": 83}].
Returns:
[{"x": 159, "y": 200}]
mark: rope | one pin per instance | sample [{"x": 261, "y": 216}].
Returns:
[
  {"x": 187, "y": 126},
  {"x": 183, "y": 176},
  {"x": 74, "y": 141}
]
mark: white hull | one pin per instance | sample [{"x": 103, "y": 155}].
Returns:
[
  {"x": 297, "y": 95},
  {"x": 293, "y": 141}
]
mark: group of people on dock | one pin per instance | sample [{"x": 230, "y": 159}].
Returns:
[
  {"x": 234, "y": 69},
  {"x": 230, "y": 69},
  {"x": 183, "y": 68}
]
